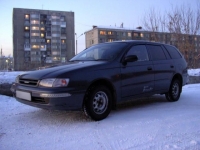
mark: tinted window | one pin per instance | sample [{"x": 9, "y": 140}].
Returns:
[
  {"x": 140, "y": 51},
  {"x": 156, "y": 52},
  {"x": 173, "y": 52}
]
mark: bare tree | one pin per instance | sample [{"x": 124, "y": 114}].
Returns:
[{"x": 183, "y": 24}]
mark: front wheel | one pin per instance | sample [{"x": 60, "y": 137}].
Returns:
[
  {"x": 98, "y": 103},
  {"x": 174, "y": 91}
]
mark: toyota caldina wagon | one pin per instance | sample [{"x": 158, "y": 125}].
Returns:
[{"x": 103, "y": 75}]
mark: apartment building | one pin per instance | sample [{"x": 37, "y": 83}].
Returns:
[
  {"x": 189, "y": 45},
  {"x": 101, "y": 34},
  {"x": 42, "y": 38}
]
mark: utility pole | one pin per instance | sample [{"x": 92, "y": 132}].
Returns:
[{"x": 76, "y": 41}]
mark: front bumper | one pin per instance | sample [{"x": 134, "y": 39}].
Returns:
[{"x": 49, "y": 98}]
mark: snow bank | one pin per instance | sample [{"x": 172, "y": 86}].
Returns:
[
  {"x": 9, "y": 77},
  {"x": 194, "y": 72}
]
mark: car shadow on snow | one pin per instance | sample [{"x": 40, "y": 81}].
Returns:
[
  {"x": 70, "y": 117},
  {"x": 142, "y": 102}
]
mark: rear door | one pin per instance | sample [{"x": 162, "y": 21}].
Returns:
[
  {"x": 137, "y": 77},
  {"x": 163, "y": 66}
]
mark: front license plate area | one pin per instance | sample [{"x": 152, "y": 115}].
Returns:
[{"x": 23, "y": 95}]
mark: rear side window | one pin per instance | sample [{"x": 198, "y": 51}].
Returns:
[
  {"x": 173, "y": 52},
  {"x": 156, "y": 52}
]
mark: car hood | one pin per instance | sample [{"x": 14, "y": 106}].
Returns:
[{"x": 57, "y": 70}]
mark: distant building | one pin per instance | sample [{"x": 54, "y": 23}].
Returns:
[
  {"x": 42, "y": 38},
  {"x": 100, "y": 34},
  {"x": 189, "y": 45}
]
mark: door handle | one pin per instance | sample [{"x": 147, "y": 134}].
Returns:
[{"x": 149, "y": 68}]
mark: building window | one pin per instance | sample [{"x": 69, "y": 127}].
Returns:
[
  {"x": 42, "y": 35},
  {"x": 62, "y": 18},
  {"x": 55, "y": 28},
  {"x": 26, "y": 28},
  {"x": 63, "y": 41},
  {"x": 35, "y": 22},
  {"x": 35, "y": 46},
  {"x": 56, "y": 35},
  {"x": 42, "y": 46},
  {"x": 129, "y": 34},
  {"x": 135, "y": 34},
  {"x": 26, "y": 41},
  {"x": 55, "y": 53},
  {"x": 26, "y": 45},
  {"x": 102, "y": 32},
  {"x": 26, "y": 34},
  {"x": 55, "y": 23},
  {"x": 34, "y": 28},
  {"x": 102, "y": 40},
  {"x": 33, "y": 40},
  {"x": 110, "y": 33},
  {"x": 35, "y": 34},
  {"x": 42, "y": 28},
  {"x": 110, "y": 40},
  {"x": 55, "y": 41},
  {"x": 34, "y": 16},
  {"x": 141, "y": 35},
  {"x": 48, "y": 41},
  {"x": 26, "y": 16},
  {"x": 55, "y": 17},
  {"x": 123, "y": 33}
]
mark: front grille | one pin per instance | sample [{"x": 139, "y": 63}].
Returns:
[
  {"x": 28, "y": 82},
  {"x": 39, "y": 100}
]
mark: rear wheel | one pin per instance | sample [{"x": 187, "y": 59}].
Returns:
[
  {"x": 98, "y": 103},
  {"x": 174, "y": 91}
]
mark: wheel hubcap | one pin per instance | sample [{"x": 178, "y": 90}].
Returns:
[
  {"x": 175, "y": 90},
  {"x": 100, "y": 102}
]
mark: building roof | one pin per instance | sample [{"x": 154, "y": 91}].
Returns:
[{"x": 115, "y": 28}]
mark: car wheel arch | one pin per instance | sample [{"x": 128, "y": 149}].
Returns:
[
  {"x": 178, "y": 77},
  {"x": 100, "y": 82}
]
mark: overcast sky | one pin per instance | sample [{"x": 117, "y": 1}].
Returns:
[{"x": 87, "y": 14}]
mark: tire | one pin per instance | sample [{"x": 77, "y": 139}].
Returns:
[
  {"x": 174, "y": 91},
  {"x": 97, "y": 104}
]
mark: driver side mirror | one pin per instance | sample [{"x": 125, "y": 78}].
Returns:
[{"x": 130, "y": 58}]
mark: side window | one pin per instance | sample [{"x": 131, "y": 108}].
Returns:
[
  {"x": 173, "y": 52},
  {"x": 140, "y": 51},
  {"x": 156, "y": 52}
]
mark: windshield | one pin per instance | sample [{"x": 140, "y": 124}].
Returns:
[{"x": 106, "y": 51}]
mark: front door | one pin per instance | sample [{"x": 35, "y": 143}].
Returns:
[{"x": 137, "y": 77}]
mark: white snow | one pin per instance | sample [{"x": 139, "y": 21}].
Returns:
[
  {"x": 152, "y": 123},
  {"x": 194, "y": 72},
  {"x": 9, "y": 77}
]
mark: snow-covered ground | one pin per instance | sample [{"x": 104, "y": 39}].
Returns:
[{"x": 152, "y": 123}]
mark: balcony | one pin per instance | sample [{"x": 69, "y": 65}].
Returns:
[
  {"x": 48, "y": 35},
  {"x": 63, "y": 36},
  {"x": 63, "y": 24},
  {"x": 27, "y": 47},
  {"x": 43, "y": 47}
]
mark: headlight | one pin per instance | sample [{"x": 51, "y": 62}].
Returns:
[
  {"x": 17, "y": 79},
  {"x": 53, "y": 82}
]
